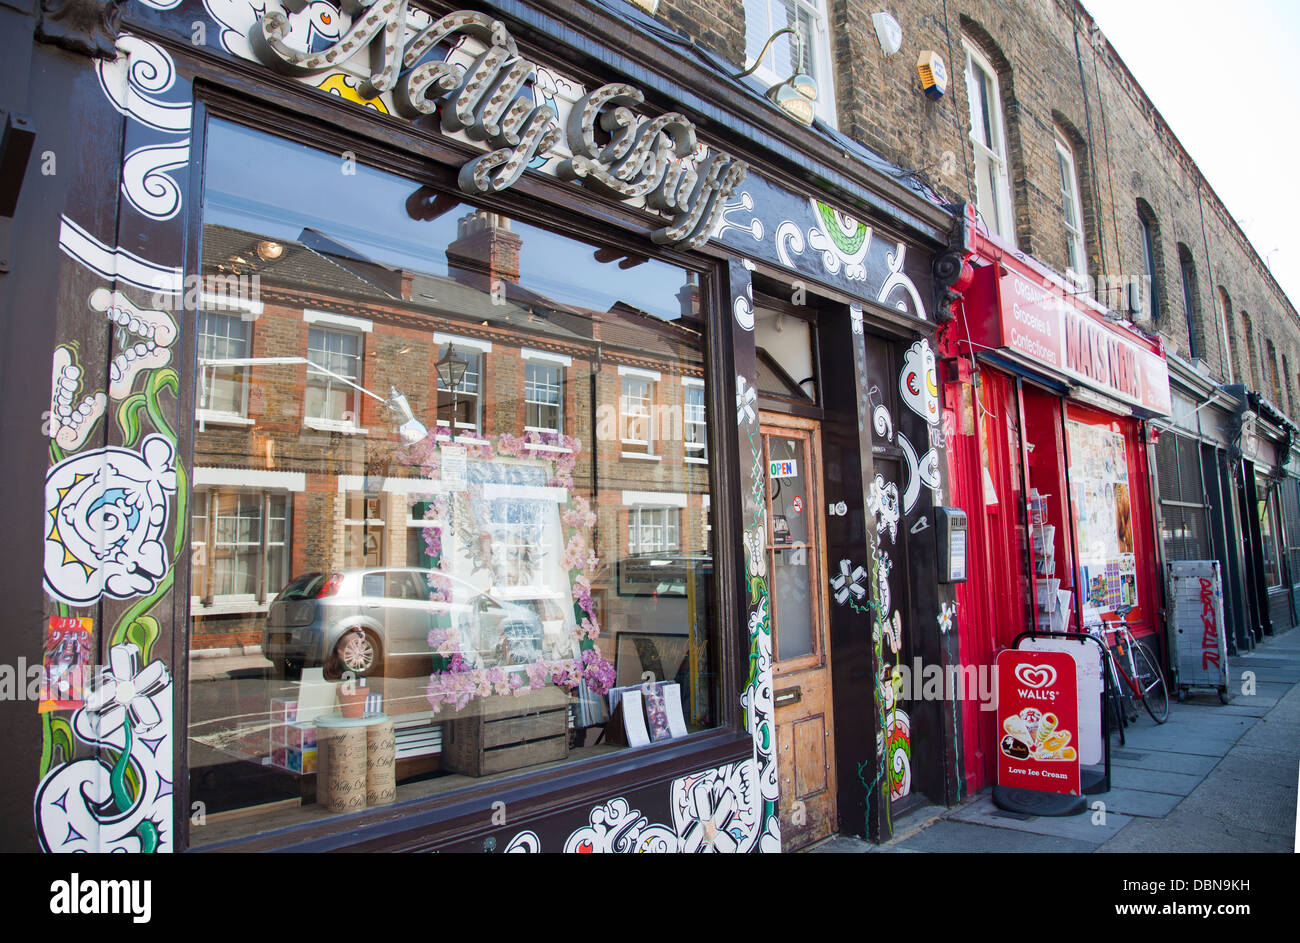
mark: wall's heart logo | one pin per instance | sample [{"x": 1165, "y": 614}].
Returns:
[{"x": 1036, "y": 677}]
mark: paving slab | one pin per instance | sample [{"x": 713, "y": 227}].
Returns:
[
  {"x": 1136, "y": 802},
  {"x": 1079, "y": 828},
  {"x": 950, "y": 836},
  {"x": 1169, "y": 761},
  {"x": 1184, "y": 832},
  {"x": 1153, "y": 780}
]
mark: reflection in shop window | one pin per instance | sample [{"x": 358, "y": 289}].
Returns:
[
  {"x": 333, "y": 374},
  {"x": 542, "y": 397},
  {"x": 459, "y": 375},
  {"x": 478, "y": 586},
  {"x": 652, "y": 530},
  {"x": 223, "y": 387},
  {"x": 696, "y": 434},
  {"x": 238, "y": 545},
  {"x": 634, "y": 411}
]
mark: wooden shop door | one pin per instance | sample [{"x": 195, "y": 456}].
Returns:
[{"x": 796, "y": 569}]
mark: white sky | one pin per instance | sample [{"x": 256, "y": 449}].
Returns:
[{"x": 1223, "y": 76}]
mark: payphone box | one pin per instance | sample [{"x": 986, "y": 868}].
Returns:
[{"x": 950, "y": 533}]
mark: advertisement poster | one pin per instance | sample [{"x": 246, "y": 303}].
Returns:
[
  {"x": 1038, "y": 721},
  {"x": 65, "y": 663},
  {"x": 1104, "y": 519}
]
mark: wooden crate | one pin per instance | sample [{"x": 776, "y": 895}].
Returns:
[{"x": 501, "y": 733}]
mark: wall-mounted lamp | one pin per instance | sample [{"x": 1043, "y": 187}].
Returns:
[
  {"x": 888, "y": 32},
  {"x": 797, "y": 95},
  {"x": 934, "y": 74}
]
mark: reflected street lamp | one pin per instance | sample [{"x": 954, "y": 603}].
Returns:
[{"x": 451, "y": 371}]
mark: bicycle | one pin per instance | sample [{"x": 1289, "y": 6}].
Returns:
[{"x": 1142, "y": 679}]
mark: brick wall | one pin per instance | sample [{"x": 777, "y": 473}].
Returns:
[{"x": 1057, "y": 75}]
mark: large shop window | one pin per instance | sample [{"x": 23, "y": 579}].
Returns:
[
  {"x": 1268, "y": 533},
  {"x": 427, "y": 516},
  {"x": 1100, "y": 485}
]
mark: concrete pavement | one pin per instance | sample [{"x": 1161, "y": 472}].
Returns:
[{"x": 1214, "y": 778}]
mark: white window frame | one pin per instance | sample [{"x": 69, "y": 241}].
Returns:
[
  {"x": 822, "y": 70},
  {"x": 207, "y": 376},
  {"x": 993, "y": 153},
  {"x": 558, "y": 406},
  {"x": 475, "y": 358},
  {"x": 640, "y": 448},
  {"x": 1222, "y": 307},
  {"x": 207, "y": 547},
  {"x": 695, "y": 454},
  {"x": 1076, "y": 245},
  {"x": 331, "y": 423},
  {"x": 666, "y": 519}
]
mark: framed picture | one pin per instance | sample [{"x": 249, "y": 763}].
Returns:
[{"x": 663, "y": 656}]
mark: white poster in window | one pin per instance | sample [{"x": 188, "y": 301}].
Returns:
[{"x": 452, "y": 467}]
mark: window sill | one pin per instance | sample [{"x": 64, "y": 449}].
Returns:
[
  {"x": 210, "y": 418},
  {"x": 695, "y": 461},
  {"x": 333, "y": 425},
  {"x": 228, "y": 605},
  {"x": 642, "y": 457}
]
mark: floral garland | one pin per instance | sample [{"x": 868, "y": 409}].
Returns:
[{"x": 458, "y": 683}]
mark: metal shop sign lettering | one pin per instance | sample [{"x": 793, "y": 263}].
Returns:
[
  {"x": 1038, "y": 721},
  {"x": 1040, "y": 323},
  {"x": 651, "y": 159}
]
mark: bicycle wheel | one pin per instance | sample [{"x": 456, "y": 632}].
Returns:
[{"x": 1155, "y": 695}]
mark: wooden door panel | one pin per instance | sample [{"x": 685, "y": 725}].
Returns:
[{"x": 804, "y": 722}]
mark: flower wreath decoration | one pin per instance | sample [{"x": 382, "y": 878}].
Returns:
[{"x": 454, "y": 683}]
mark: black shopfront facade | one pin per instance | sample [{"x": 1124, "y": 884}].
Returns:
[{"x": 498, "y": 363}]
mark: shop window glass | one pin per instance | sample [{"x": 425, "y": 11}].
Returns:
[
  {"x": 1100, "y": 486},
  {"x": 1268, "y": 532},
  {"x": 512, "y": 573}
]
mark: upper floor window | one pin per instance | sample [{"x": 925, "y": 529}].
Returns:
[
  {"x": 636, "y": 411},
  {"x": 459, "y": 388},
  {"x": 694, "y": 431},
  {"x": 807, "y": 50},
  {"x": 1229, "y": 347},
  {"x": 1075, "y": 256},
  {"x": 989, "y": 141},
  {"x": 1190, "y": 301},
  {"x": 542, "y": 397},
  {"x": 223, "y": 374},
  {"x": 652, "y": 530},
  {"x": 1151, "y": 258},
  {"x": 333, "y": 376}
]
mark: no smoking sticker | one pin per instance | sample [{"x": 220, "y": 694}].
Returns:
[{"x": 797, "y": 504}]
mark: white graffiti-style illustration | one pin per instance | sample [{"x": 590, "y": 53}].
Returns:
[
  {"x": 133, "y": 82},
  {"x": 881, "y": 421},
  {"x": 524, "y": 843},
  {"x": 89, "y": 804},
  {"x": 855, "y": 319},
  {"x": 114, "y": 262},
  {"x": 919, "y": 382},
  {"x": 145, "y": 182},
  {"x": 946, "y": 613},
  {"x": 70, "y": 425},
  {"x": 754, "y": 227},
  {"x": 920, "y": 471},
  {"x": 849, "y": 582},
  {"x": 742, "y": 305},
  {"x": 108, "y": 511},
  {"x": 154, "y": 331},
  {"x": 617, "y": 827},
  {"x": 882, "y": 502},
  {"x": 842, "y": 240},
  {"x": 314, "y": 27},
  {"x": 789, "y": 242},
  {"x": 715, "y": 811},
  {"x": 746, "y": 397},
  {"x": 898, "y": 280}
]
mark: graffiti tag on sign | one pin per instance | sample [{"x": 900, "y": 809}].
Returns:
[{"x": 1210, "y": 637}]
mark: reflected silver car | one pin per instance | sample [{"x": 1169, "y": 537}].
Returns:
[{"x": 367, "y": 620}]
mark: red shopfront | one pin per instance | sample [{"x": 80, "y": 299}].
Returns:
[{"x": 1045, "y": 406}]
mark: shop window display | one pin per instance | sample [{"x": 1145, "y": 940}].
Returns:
[{"x": 441, "y": 556}]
